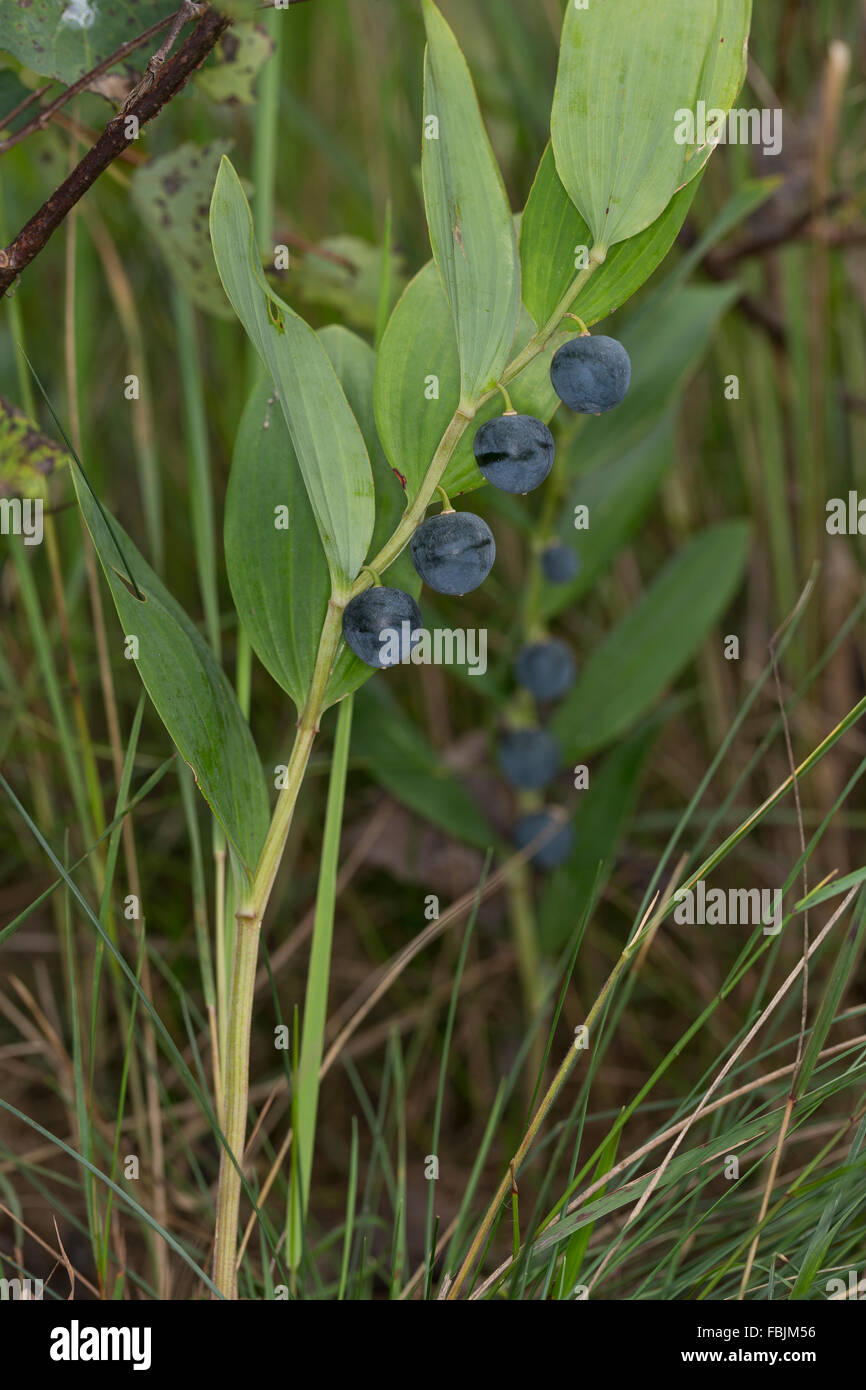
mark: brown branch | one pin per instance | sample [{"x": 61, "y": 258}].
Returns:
[
  {"x": 46, "y": 113},
  {"x": 23, "y": 105},
  {"x": 111, "y": 143},
  {"x": 801, "y": 227}
]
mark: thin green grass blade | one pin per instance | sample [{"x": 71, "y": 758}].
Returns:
[{"x": 318, "y": 979}]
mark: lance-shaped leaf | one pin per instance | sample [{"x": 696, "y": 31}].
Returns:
[
  {"x": 626, "y": 125},
  {"x": 189, "y": 689},
  {"x": 326, "y": 436},
  {"x": 355, "y": 364},
  {"x": 274, "y": 556},
  {"x": 554, "y": 241},
  {"x": 649, "y": 648},
  {"x": 276, "y": 565},
  {"x": 418, "y": 386},
  {"x": 471, "y": 228},
  {"x": 400, "y": 758}
]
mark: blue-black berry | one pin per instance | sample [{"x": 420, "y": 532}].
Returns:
[
  {"x": 591, "y": 374},
  {"x": 546, "y": 669},
  {"x": 556, "y": 850},
  {"x": 560, "y": 564},
  {"x": 530, "y": 758},
  {"x": 514, "y": 452},
  {"x": 453, "y": 552},
  {"x": 382, "y": 625}
]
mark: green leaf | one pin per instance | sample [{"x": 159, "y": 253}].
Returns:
[
  {"x": 577, "y": 1246},
  {"x": 417, "y": 387},
  {"x": 237, "y": 60},
  {"x": 552, "y": 233},
  {"x": 844, "y": 967},
  {"x": 354, "y": 361},
  {"x": 307, "y": 1079},
  {"x": 188, "y": 688},
  {"x": 742, "y": 204},
  {"x": 834, "y": 889},
  {"x": 650, "y": 647},
  {"x": 172, "y": 193},
  {"x": 471, "y": 228},
  {"x": 343, "y": 274},
  {"x": 279, "y": 577},
  {"x": 326, "y": 436},
  {"x": 627, "y": 71},
  {"x": 12, "y": 93},
  {"x": 27, "y": 457},
  {"x": 66, "y": 38},
  {"x": 617, "y": 495},
  {"x": 602, "y": 816},
  {"x": 401, "y": 760}
]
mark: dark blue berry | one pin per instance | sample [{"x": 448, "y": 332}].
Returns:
[
  {"x": 556, "y": 850},
  {"x": 514, "y": 452},
  {"x": 545, "y": 668},
  {"x": 382, "y": 625},
  {"x": 453, "y": 552},
  {"x": 591, "y": 374},
  {"x": 560, "y": 564},
  {"x": 530, "y": 758}
]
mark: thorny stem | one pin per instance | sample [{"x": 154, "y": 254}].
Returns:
[{"x": 252, "y": 910}]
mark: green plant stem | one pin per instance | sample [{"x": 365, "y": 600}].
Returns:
[
  {"x": 251, "y": 912},
  {"x": 535, "y": 1124},
  {"x": 414, "y": 514},
  {"x": 540, "y": 339},
  {"x": 237, "y": 1061},
  {"x": 248, "y": 927},
  {"x": 525, "y": 940}
]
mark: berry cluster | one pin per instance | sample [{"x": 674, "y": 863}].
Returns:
[{"x": 453, "y": 552}]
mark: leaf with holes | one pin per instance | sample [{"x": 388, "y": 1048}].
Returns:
[{"x": 172, "y": 194}]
